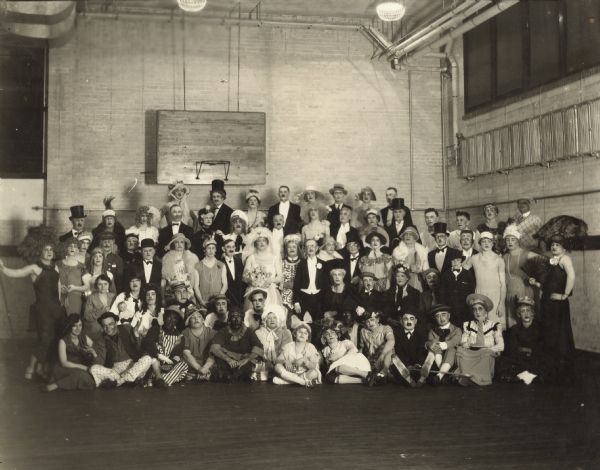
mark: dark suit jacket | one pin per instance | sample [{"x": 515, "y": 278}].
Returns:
[
  {"x": 375, "y": 301},
  {"x": 108, "y": 350},
  {"x": 235, "y": 289},
  {"x": 302, "y": 279},
  {"x": 339, "y": 303},
  {"x": 293, "y": 223},
  {"x": 119, "y": 232},
  {"x": 397, "y": 305},
  {"x": 334, "y": 216},
  {"x": 221, "y": 221},
  {"x": 136, "y": 268},
  {"x": 384, "y": 216},
  {"x": 64, "y": 237},
  {"x": 454, "y": 292},
  {"x": 165, "y": 235},
  {"x": 410, "y": 351},
  {"x": 347, "y": 265},
  {"x": 447, "y": 260}
]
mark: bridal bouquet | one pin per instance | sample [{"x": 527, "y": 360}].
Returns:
[{"x": 259, "y": 277}]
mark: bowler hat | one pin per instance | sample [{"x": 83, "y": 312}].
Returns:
[{"x": 147, "y": 243}]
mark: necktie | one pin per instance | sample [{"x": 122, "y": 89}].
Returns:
[{"x": 408, "y": 334}]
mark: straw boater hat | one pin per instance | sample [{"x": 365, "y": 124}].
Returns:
[
  {"x": 179, "y": 236},
  {"x": 338, "y": 187},
  {"x": 253, "y": 193}
]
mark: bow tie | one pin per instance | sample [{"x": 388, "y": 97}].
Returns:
[
  {"x": 175, "y": 223},
  {"x": 441, "y": 250},
  {"x": 147, "y": 262},
  {"x": 442, "y": 332},
  {"x": 456, "y": 271},
  {"x": 354, "y": 259},
  {"x": 75, "y": 233},
  {"x": 229, "y": 260}
]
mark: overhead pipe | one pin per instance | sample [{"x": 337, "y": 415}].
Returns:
[
  {"x": 420, "y": 31},
  {"x": 465, "y": 27},
  {"x": 404, "y": 47}
]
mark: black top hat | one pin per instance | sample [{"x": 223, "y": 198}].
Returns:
[
  {"x": 147, "y": 243},
  {"x": 397, "y": 203},
  {"x": 353, "y": 236},
  {"x": 77, "y": 212},
  {"x": 440, "y": 227},
  {"x": 219, "y": 186}
]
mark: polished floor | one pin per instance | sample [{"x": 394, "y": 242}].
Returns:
[{"x": 283, "y": 427}]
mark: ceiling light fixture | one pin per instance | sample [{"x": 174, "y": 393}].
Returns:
[
  {"x": 192, "y": 6},
  {"x": 390, "y": 11}
]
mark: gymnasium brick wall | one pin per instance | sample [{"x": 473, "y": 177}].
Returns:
[
  {"x": 333, "y": 114},
  {"x": 577, "y": 174}
]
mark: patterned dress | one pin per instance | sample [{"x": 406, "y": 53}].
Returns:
[
  {"x": 380, "y": 266},
  {"x": 289, "y": 269}
]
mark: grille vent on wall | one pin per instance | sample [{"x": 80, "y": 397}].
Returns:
[{"x": 558, "y": 135}]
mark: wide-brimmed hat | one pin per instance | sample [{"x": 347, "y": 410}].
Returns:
[
  {"x": 310, "y": 188},
  {"x": 440, "y": 227},
  {"x": 178, "y": 185},
  {"x": 364, "y": 190},
  {"x": 238, "y": 214},
  {"x": 474, "y": 299},
  {"x": 179, "y": 236},
  {"x": 338, "y": 187},
  {"x": 383, "y": 237},
  {"x": 77, "y": 212},
  {"x": 557, "y": 238},
  {"x": 253, "y": 193}
]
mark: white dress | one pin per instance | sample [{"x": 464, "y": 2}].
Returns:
[
  {"x": 345, "y": 353},
  {"x": 254, "y": 270}
]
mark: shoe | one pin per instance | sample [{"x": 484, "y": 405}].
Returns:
[
  {"x": 380, "y": 379},
  {"x": 108, "y": 384},
  {"x": 420, "y": 383},
  {"x": 371, "y": 377},
  {"x": 435, "y": 380},
  {"x": 160, "y": 383}
]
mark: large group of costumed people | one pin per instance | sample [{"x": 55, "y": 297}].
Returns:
[{"x": 308, "y": 293}]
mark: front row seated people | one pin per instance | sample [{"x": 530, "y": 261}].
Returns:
[{"x": 299, "y": 361}]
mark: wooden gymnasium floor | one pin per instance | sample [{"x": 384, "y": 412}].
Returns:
[{"x": 279, "y": 427}]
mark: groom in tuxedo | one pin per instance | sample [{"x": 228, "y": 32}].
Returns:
[
  {"x": 177, "y": 226},
  {"x": 289, "y": 210}
]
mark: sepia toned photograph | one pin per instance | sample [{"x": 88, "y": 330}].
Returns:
[{"x": 299, "y": 234}]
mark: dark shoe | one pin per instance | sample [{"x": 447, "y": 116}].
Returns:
[
  {"x": 160, "y": 383},
  {"x": 435, "y": 380},
  {"x": 420, "y": 383},
  {"x": 108, "y": 384},
  {"x": 371, "y": 377}
]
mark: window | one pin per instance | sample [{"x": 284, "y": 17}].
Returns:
[
  {"x": 22, "y": 108},
  {"x": 533, "y": 43}
]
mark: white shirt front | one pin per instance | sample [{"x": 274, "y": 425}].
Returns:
[
  {"x": 284, "y": 210},
  {"x": 231, "y": 266},
  {"x": 440, "y": 256},
  {"x": 147, "y": 269},
  {"x": 312, "y": 276},
  {"x": 467, "y": 253},
  {"x": 341, "y": 235},
  {"x": 175, "y": 227}
]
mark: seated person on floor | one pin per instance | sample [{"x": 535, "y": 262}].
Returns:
[
  {"x": 120, "y": 358},
  {"x": 274, "y": 335},
  {"x": 524, "y": 359},
  {"x": 165, "y": 345},
  {"x": 410, "y": 352},
  {"x": 298, "y": 362},
  {"x": 236, "y": 349},
  {"x": 258, "y": 299},
  {"x": 442, "y": 342},
  {"x": 219, "y": 316},
  {"x": 196, "y": 346},
  {"x": 345, "y": 364},
  {"x": 377, "y": 344},
  {"x": 480, "y": 344}
]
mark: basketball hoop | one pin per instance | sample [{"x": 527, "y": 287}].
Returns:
[{"x": 225, "y": 163}]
